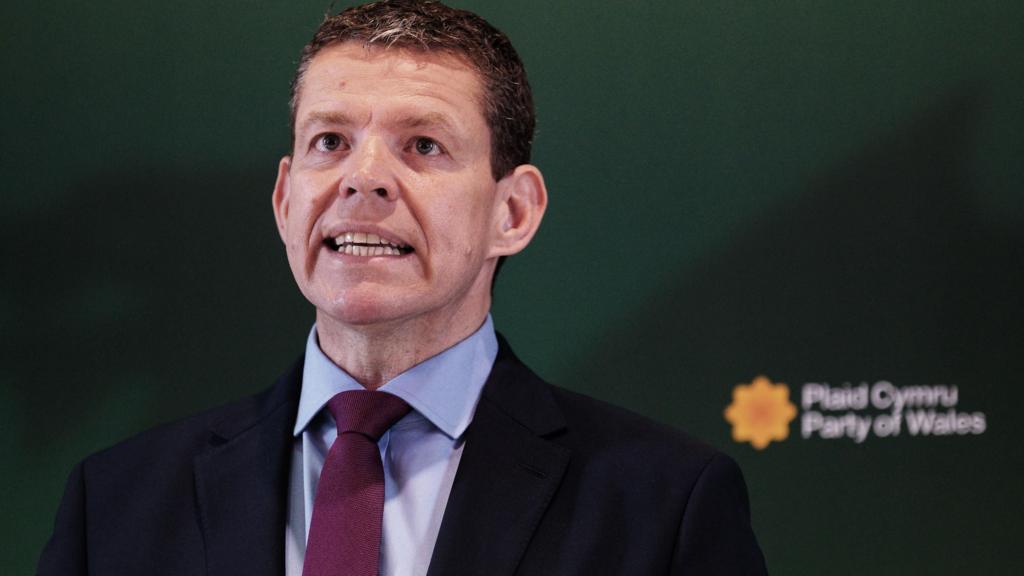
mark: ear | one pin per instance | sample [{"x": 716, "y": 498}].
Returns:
[
  {"x": 522, "y": 199},
  {"x": 281, "y": 197}
]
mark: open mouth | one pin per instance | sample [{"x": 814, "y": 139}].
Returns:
[{"x": 366, "y": 244}]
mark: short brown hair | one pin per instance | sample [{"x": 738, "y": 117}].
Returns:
[{"x": 425, "y": 25}]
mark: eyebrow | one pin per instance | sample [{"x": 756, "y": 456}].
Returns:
[
  {"x": 429, "y": 120},
  {"x": 329, "y": 117},
  {"x": 338, "y": 118}
]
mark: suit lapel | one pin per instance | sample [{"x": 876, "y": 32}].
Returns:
[
  {"x": 506, "y": 478},
  {"x": 242, "y": 483}
]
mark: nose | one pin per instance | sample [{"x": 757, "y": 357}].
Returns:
[{"x": 371, "y": 172}]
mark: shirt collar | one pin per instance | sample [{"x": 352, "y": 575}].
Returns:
[{"x": 444, "y": 388}]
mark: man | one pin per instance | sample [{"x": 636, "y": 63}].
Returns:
[{"x": 409, "y": 180}]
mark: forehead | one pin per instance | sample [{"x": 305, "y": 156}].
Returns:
[{"x": 375, "y": 76}]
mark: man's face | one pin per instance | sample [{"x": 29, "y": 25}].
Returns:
[{"x": 387, "y": 206}]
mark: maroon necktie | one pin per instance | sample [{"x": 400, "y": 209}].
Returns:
[{"x": 344, "y": 534}]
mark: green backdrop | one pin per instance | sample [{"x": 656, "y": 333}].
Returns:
[{"x": 817, "y": 192}]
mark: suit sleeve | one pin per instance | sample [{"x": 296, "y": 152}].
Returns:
[
  {"x": 64, "y": 553},
  {"x": 715, "y": 537}
]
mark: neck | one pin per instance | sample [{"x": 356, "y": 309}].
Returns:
[{"x": 375, "y": 354}]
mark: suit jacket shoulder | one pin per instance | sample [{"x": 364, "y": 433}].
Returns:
[
  {"x": 555, "y": 482},
  {"x": 176, "y": 498},
  {"x": 675, "y": 478},
  {"x": 597, "y": 425}
]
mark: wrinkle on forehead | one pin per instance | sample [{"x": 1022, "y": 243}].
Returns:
[{"x": 395, "y": 57}]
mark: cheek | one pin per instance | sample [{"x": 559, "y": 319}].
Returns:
[
  {"x": 456, "y": 216},
  {"x": 301, "y": 248},
  {"x": 294, "y": 233},
  {"x": 304, "y": 211},
  {"x": 462, "y": 226}
]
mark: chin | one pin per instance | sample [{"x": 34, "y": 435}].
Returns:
[{"x": 359, "y": 309}]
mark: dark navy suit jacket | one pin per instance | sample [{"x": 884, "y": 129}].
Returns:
[{"x": 550, "y": 482}]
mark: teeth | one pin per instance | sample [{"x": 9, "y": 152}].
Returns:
[{"x": 366, "y": 244}]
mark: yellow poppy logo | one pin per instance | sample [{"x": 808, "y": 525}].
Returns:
[{"x": 760, "y": 412}]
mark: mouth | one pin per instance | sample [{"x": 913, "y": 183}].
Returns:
[{"x": 366, "y": 244}]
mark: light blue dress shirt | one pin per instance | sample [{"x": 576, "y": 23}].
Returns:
[{"x": 421, "y": 452}]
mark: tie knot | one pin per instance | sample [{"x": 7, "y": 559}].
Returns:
[{"x": 367, "y": 412}]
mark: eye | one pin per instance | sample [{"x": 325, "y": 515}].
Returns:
[
  {"x": 426, "y": 146},
  {"x": 328, "y": 142}
]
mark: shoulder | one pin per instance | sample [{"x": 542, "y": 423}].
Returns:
[
  {"x": 122, "y": 504},
  {"x": 680, "y": 485},
  {"x": 594, "y": 430},
  {"x": 635, "y": 481},
  {"x": 173, "y": 444},
  {"x": 597, "y": 427}
]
